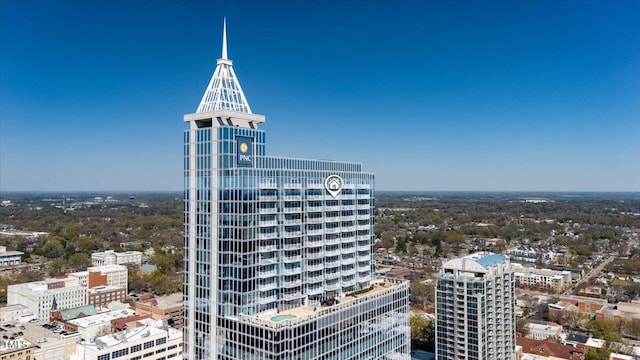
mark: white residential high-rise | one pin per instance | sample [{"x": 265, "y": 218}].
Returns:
[
  {"x": 475, "y": 302},
  {"x": 278, "y": 251}
]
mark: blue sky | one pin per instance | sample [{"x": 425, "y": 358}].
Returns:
[{"x": 449, "y": 95}]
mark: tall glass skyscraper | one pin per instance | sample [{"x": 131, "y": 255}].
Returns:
[{"x": 278, "y": 251}]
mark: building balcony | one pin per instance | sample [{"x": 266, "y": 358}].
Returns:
[
  {"x": 332, "y": 219},
  {"x": 364, "y": 258},
  {"x": 348, "y": 207},
  {"x": 292, "y": 186},
  {"x": 315, "y": 232},
  {"x": 332, "y": 275},
  {"x": 317, "y": 220},
  {"x": 317, "y": 267},
  {"x": 363, "y": 186},
  {"x": 289, "y": 234},
  {"x": 348, "y": 196},
  {"x": 332, "y": 208},
  {"x": 363, "y": 227},
  {"x": 348, "y": 239},
  {"x": 348, "y": 218},
  {"x": 362, "y": 267},
  {"x": 268, "y": 223},
  {"x": 314, "y": 243},
  {"x": 267, "y": 236},
  {"x": 291, "y": 283},
  {"x": 350, "y": 272},
  {"x": 292, "y": 210},
  {"x": 314, "y": 279},
  {"x": 315, "y": 290},
  {"x": 292, "y": 258},
  {"x": 315, "y": 197},
  {"x": 348, "y": 250},
  {"x": 267, "y": 287},
  {"x": 348, "y": 261},
  {"x": 364, "y": 279},
  {"x": 334, "y": 230},
  {"x": 315, "y": 208},
  {"x": 363, "y": 206},
  {"x": 292, "y": 197},
  {"x": 267, "y": 274},
  {"x": 335, "y": 252},
  {"x": 292, "y": 246},
  {"x": 315, "y": 255},
  {"x": 364, "y": 247},
  {"x": 292, "y": 271},
  {"x": 267, "y": 248},
  {"x": 268, "y": 261},
  {"x": 363, "y": 237},
  {"x": 363, "y": 217},
  {"x": 268, "y": 185},
  {"x": 272, "y": 210},
  {"x": 267, "y": 197},
  {"x": 318, "y": 185},
  {"x": 332, "y": 263},
  {"x": 348, "y": 283},
  {"x": 330, "y": 287},
  {"x": 292, "y": 296},
  {"x": 267, "y": 299},
  {"x": 348, "y": 229},
  {"x": 293, "y": 222},
  {"x": 335, "y": 241}
]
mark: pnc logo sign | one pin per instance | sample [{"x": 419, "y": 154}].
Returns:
[
  {"x": 244, "y": 151},
  {"x": 333, "y": 184}
]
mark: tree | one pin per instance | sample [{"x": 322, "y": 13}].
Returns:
[
  {"x": 53, "y": 248},
  {"x": 421, "y": 295},
  {"x": 79, "y": 261},
  {"x": 522, "y": 326},
  {"x": 423, "y": 334},
  {"x": 57, "y": 266}
]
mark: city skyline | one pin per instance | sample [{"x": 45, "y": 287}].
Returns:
[{"x": 485, "y": 97}]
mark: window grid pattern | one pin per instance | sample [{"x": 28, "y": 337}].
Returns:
[{"x": 282, "y": 240}]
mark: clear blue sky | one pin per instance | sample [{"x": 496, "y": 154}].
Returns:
[{"x": 428, "y": 95}]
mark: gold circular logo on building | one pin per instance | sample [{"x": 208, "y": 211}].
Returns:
[{"x": 244, "y": 147}]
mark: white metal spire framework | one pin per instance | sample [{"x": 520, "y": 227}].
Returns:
[{"x": 224, "y": 91}]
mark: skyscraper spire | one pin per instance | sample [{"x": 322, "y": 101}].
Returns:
[
  {"x": 224, "y": 91},
  {"x": 224, "y": 38}
]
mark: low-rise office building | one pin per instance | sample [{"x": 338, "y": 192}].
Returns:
[
  {"x": 111, "y": 257},
  {"x": 10, "y": 257},
  {"x": 102, "y": 296},
  {"x": 106, "y": 275},
  {"x": 96, "y": 325},
  {"x": 543, "y": 279},
  {"x": 40, "y": 297},
  {"x": 163, "y": 307}
]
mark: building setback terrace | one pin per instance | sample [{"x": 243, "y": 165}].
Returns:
[{"x": 290, "y": 317}]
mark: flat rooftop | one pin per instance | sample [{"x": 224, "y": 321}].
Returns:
[
  {"x": 149, "y": 328},
  {"x": 36, "y": 334},
  {"x": 103, "y": 318},
  {"x": 165, "y": 302}
]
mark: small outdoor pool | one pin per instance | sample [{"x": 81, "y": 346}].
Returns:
[{"x": 279, "y": 318}]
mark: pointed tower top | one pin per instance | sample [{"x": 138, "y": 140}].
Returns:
[
  {"x": 224, "y": 39},
  {"x": 224, "y": 91}
]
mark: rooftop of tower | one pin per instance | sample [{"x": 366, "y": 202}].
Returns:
[
  {"x": 480, "y": 261},
  {"x": 224, "y": 91}
]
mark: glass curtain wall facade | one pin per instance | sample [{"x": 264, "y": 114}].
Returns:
[{"x": 279, "y": 251}]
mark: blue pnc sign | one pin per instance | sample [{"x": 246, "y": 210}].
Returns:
[{"x": 244, "y": 151}]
